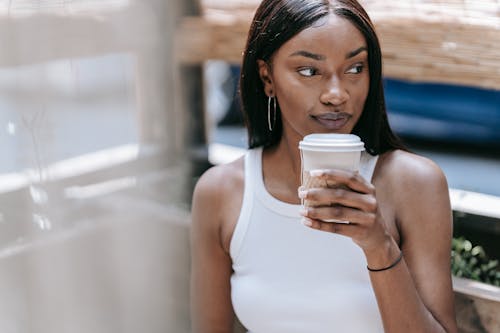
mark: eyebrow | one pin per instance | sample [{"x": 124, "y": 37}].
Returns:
[
  {"x": 315, "y": 56},
  {"x": 308, "y": 55},
  {"x": 355, "y": 52}
]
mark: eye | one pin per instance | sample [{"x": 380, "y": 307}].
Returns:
[
  {"x": 356, "y": 69},
  {"x": 307, "y": 71}
]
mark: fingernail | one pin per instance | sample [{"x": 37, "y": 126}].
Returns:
[
  {"x": 303, "y": 211},
  {"x": 306, "y": 222},
  {"x": 302, "y": 194}
]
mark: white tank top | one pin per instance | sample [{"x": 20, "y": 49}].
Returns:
[{"x": 289, "y": 278}]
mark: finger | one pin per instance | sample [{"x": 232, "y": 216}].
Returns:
[
  {"x": 353, "y": 180},
  {"x": 336, "y": 228},
  {"x": 341, "y": 213},
  {"x": 353, "y": 231},
  {"x": 339, "y": 196},
  {"x": 300, "y": 190}
]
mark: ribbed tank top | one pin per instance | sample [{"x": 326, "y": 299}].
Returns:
[{"x": 289, "y": 278}]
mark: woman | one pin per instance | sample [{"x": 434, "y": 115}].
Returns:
[{"x": 314, "y": 66}]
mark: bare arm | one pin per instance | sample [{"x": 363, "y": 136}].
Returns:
[
  {"x": 211, "y": 308},
  {"x": 416, "y": 294}
]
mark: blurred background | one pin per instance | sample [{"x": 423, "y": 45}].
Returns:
[
  {"x": 111, "y": 109},
  {"x": 94, "y": 179}
]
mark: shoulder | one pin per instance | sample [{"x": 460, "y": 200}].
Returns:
[
  {"x": 219, "y": 181},
  {"x": 217, "y": 196},
  {"x": 417, "y": 187},
  {"x": 216, "y": 202},
  {"x": 411, "y": 172}
]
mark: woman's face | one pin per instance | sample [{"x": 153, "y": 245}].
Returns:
[{"x": 320, "y": 78}]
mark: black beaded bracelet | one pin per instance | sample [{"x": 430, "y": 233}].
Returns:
[{"x": 388, "y": 267}]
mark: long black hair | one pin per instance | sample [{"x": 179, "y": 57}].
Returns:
[{"x": 277, "y": 21}]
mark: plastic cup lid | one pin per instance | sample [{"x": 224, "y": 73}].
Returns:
[{"x": 332, "y": 142}]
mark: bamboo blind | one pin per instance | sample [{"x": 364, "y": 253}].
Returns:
[{"x": 455, "y": 41}]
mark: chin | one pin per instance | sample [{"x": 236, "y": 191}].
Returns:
[{"x": 336, "y": 131}]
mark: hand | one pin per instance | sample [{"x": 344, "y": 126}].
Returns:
[{"x": 352, "y": 199}]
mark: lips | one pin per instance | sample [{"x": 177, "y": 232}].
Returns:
[{"x": 332, "y": 120}]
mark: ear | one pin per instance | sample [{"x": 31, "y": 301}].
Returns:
[{"x": 265, "y": 76}]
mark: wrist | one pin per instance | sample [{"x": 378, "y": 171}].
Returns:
[{"x": 384, "y": 255}]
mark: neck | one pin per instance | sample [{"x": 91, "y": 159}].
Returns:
[{"x": 284, "y": 158}]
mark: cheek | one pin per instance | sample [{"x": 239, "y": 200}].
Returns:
[
  {"x": 360, "y": 93},
  {"x": 294, "y": 97}
]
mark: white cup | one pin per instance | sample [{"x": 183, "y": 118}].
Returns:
[{"x": 328, "y": 151}]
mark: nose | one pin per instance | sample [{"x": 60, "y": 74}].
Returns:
[{"x": 334, "y": 93}]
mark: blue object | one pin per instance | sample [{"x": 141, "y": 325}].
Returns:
[{"x": 443, "y": 112}]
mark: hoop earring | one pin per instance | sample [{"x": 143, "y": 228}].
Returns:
[{"x": 269, "y": 98}]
